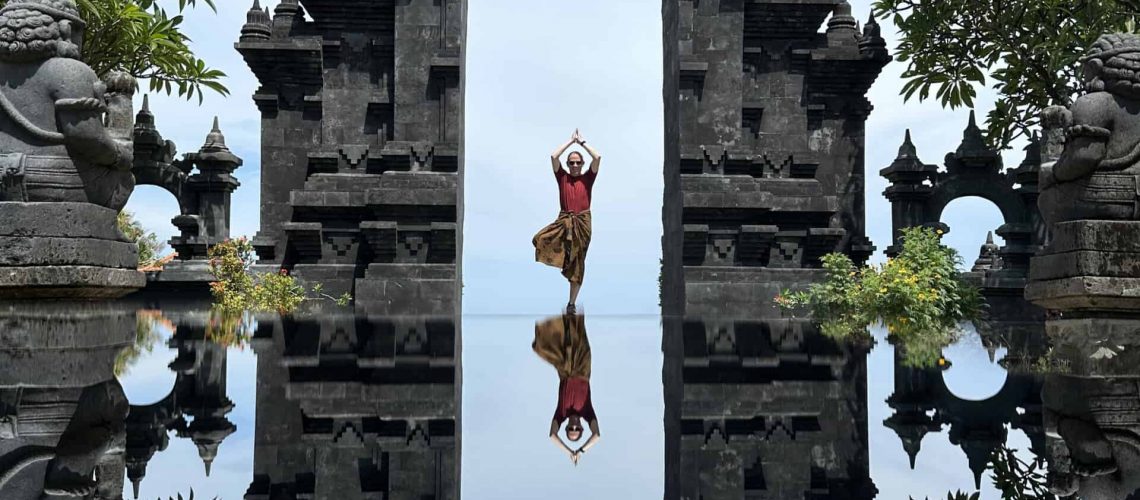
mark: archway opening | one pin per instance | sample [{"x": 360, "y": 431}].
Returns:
[
  {"x": 970, "y": 219},
  {"x": 153, "y": 208},
  {"x": 974, "y": 373}
]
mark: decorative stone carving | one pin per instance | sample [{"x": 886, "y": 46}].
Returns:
[
  {"x": 362, "y": 114},
  {"x": 764, "y": 118},
  {"x": 53, "y": 106},
  {"x": 65, "y": 160},
  {"x": 1095, "y": 177},
  {"x": 1089, "y": 195}
]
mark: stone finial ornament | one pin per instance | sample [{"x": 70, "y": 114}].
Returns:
[{"x": 1095, "y": 176}]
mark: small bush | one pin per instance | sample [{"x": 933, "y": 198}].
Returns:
[{"x": 918, "y": 295}]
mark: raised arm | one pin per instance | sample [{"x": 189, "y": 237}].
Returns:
[
  {"x": 595, "y": 435},
  {"x": 554, "y": 424},
  {"x": 555, "y": 157},
  {"x": 595, "y": 156}
]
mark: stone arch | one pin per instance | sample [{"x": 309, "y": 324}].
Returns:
[
  {"x": 201, "y": 182},
  {"x": 919, "y": 193}
]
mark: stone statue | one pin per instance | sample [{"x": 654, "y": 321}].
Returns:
[
  {"x": 55, "y": 143},
  {"x": 1095, "y": 177}
]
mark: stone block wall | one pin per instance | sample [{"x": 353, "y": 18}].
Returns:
[
  {"x": 362, "y": 130},
  {"x": 764, "y": 121}
]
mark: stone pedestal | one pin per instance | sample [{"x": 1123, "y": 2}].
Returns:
[
  {"x": 64, "y": 250},
  {"x": 1089, "y": 266}
]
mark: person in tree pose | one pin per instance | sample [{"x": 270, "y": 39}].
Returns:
[
  {"x": 563, "y": 243},
  {"x": 562, "y": 342}
]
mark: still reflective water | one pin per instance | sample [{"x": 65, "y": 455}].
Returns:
[{"x": 97, "y": 401}]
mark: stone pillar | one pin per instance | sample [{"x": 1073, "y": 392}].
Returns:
[
  {"x": 764, "y": 148},
  {"x": 362, "y": 126}
]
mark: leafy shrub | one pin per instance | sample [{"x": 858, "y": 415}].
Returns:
[{"x": 919, "y": 295}]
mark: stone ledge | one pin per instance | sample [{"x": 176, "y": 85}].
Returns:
[
  {"x": 68, "y": 282},
  {"x": 71, "y": 220},
  {"x": 1095, "y": 235},
  {"x": 56, "y": 251},
  {"x": 1085, "y": 263},
  {"x": 1086, "y": 293}
]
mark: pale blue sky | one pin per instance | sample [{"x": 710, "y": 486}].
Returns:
[{"x": 536, "y": 69}]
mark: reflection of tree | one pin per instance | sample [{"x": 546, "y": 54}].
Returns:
[
  {"x": 147, "y": 334},
  {"x": 1017, "y": 479},
  {"x": 229, "y": 328}
]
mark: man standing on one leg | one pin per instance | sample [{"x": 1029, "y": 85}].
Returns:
[{"x": 564, "y": 242}]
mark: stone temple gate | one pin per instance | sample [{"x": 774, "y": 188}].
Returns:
[
  {"x": 764, "y": 120},
  {"x": 362, "y": 130}
]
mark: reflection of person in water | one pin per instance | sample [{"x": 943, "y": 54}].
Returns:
[
  {"x": 563, "y": 243},
  {"x": 561, "y": 341}
]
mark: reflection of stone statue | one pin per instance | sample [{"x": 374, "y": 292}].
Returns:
[
  {"x": 1095, "y": 177},
  {"x": 52, "y": 128},
  {"x": 61, "y": 409}
]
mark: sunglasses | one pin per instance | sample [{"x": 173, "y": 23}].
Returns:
[
  {"x": 573, "y": 428},
  {"x": 573, "y": 163}
]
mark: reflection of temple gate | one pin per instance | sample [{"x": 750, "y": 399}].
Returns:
[
  {"x": 919, "y": 193},
  {"x": 353, "y": 407},
  {"x": 923, "y": 404},
  {"x": 763, "y": 409},
  {"x": 198, "y": 395},
  {"x": 203, "y": 197}
]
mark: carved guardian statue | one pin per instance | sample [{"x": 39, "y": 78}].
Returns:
[
  {"x": 55, "y": 143},
  {"x": 1095, "y": 177}
]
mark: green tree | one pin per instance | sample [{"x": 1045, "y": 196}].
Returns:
[
  {"x": 142, "y": 39},
  {"x": 1027, "y": 50}
]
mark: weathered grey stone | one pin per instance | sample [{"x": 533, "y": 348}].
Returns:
[
  {"x": 202, "y": 182},
  {"x": 54, "y": 145},
  {"x": 1086, "y": 293},
  {"x": 1095, "y": 176},
  {"x": 61, "y": 409},
  {"x": 763, "y": 409},
  {"x": 763, "y": 129},
  {"x": 362, "y": 124},
  {"x": 68, "y": 282},
  {"x": 361, "y": 407},
  {"x": 65, "y": 250}
]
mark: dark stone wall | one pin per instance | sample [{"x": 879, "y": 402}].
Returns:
[
  {"x": 763, "y": 409},
  {"x": 764, "y": 142},
  {"x": 362, "y": 125},
  {"x": 354, "y": 407}
]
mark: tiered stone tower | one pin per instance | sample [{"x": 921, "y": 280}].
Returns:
[
  {"x": 763, "y": 409},
  {"x": 362, "y": 129},
  {"x": 764, "y": 122},
  {"x": 356, "y": 408}
]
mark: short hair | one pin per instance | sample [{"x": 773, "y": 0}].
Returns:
[
  {"x": 580, "y": 156},
  {"x": 34, "y": 30}
]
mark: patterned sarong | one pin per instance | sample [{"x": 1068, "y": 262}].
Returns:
[
  {"x": 563, "y": 244},
  {"x": 562, "y": 342}
]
